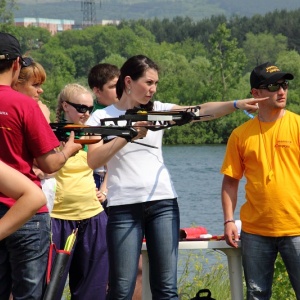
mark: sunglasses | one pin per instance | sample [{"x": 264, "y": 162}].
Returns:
[
  {"x": 274, "y": 87},
  {"x": 26, "y": 62},
  {"x": 81, "y": 108}
]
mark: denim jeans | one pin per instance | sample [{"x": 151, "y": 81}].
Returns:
[
  {"x": 23, "y": 259},
  {"x": 158, "y": 221},
  {"x": 259, "y": 254}
]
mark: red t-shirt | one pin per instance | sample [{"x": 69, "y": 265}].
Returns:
[{"x": 24, "y": 135}]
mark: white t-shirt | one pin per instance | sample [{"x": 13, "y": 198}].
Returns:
[
  {"x": 137, "y": 173},
  {"x": 49, "y": 189}
]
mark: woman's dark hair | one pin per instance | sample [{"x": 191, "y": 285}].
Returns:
[{"x": 135, "y": 67}]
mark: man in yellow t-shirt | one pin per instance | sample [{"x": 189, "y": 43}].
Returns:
[{"x": 266, "y": 151}]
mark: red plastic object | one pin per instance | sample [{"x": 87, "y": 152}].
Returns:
[{"x": 192, "y": 232}]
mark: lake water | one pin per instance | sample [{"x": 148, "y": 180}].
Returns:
[{"x": 195, "y": 171}]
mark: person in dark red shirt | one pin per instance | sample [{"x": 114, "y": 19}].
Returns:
[{"x": 25, "y": 135}]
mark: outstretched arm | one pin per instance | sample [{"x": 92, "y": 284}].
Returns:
[
  {"x": 30, "y": 198},
  {"x": 218, "y": 109}
]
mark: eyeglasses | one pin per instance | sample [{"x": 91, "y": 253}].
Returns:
[
  {"x": 26, "y": 62},
  {"x": 81, "y": 108},
  {"x": 274, "y": 87}
]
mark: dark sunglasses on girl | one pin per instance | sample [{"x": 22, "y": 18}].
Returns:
[
  {"x": 274, "y": 87},
  {"x": 81, "y": 108}
]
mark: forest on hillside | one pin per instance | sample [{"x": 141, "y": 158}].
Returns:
[
  {"x": 149, "y": 9},
  {"x": 209, "y": 60}
]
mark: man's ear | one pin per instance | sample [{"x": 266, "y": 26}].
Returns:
[
  {"x": 16, "y": 64},
  {"x": 255, "y": 93},
  {"x": 95, "y": 90}
]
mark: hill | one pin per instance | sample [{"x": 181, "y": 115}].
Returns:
[{"x": 149, "y": 9}]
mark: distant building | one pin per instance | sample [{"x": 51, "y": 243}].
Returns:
[
  {"x": 53, "y": 25},
  {"x": 102, "y": 22},
  {"x": 109, "y": 22}
]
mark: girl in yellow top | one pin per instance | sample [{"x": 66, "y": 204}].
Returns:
[{"x": 76, "y": 205}]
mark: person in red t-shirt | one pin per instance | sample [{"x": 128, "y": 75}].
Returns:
[
  {"x": 25, "y": 135},
  {"x": 29, "y": 198}
]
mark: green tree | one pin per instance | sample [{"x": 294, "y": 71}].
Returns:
[
  {"x": 60, "y": 70},
  {"x": 137, "y": 41},
  {"x": 32, "y": 38},
  {"x": 114, "y": 59},
  {"x": 189, "y": 48},
  {"x": 263, "y": 47},
  {"x": 170, "y": 81},
  {"x": 83, "y": 58},
  {"x": 227, "y": 61},
  {"x": 289, "y": 61},
  {"x": 6, "y": 12}
]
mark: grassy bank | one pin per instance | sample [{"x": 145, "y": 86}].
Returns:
[{"x": 198, "y": 272}]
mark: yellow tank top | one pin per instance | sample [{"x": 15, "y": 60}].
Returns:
[{"x": 75, "y": 197}]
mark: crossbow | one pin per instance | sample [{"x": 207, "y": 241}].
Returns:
[
  {"x": 157, "y": 119},
  {"x": 81, "y": 132}
]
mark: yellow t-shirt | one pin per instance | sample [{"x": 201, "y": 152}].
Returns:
[
  {"x": 268, "y": 155},
  {"x": 75, "y": 197}
]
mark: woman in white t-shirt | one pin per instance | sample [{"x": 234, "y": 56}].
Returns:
[{"x": 142, "y": 201}]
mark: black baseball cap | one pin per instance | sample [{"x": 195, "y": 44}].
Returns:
[
  {"x": 9, "y": 47},
  {"x": 267, "y": 73}
]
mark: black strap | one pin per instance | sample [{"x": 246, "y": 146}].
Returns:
[{"x": 204, "y": 297}]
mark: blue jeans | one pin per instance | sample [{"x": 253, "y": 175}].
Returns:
[
  {"x": 158, "y": 221},
  {"x": 259, "y": 254},
  {"x": 23, "y": 259}
]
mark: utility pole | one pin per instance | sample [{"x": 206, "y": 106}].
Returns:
[{"x": 88, "y": 7}]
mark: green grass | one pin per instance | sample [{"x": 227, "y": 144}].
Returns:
[{"x": 198, "y": 273}]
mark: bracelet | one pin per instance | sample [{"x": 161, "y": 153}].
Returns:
[
  {"x": 234, "y": 104},
  {"x": 103, "y": 193},
  {"x": 63, "y": 155},
  {"x": 228, "y": 221},
  {"x": 248, "y": 114}
]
